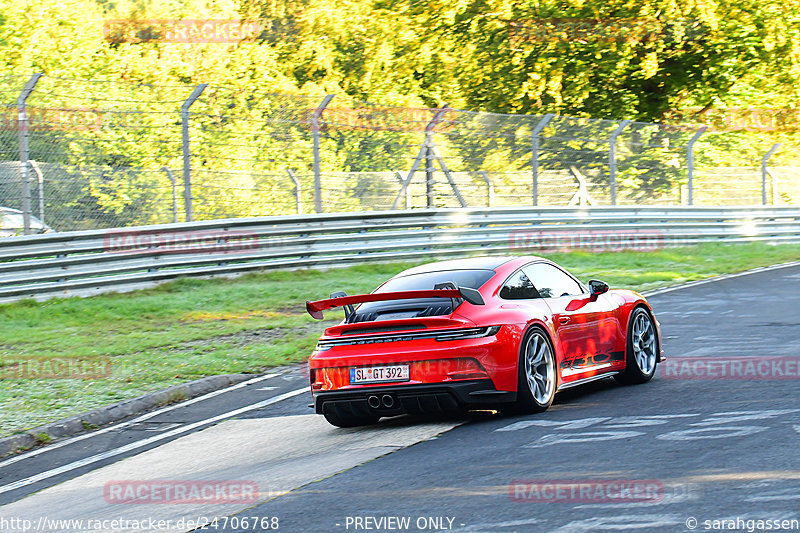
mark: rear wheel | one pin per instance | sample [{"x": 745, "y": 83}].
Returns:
[
  {"x": 642, "y": 349},
  {"x": 536, "y": 373},
  {"x": 348, "y": 415}
]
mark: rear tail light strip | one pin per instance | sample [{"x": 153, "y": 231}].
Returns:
[{"x": 440, "y": 335}]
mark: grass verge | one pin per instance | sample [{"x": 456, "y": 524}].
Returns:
[{"x": 190, "y": 328}]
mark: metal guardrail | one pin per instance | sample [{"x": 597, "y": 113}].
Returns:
[{"x": 87, "y": 262}]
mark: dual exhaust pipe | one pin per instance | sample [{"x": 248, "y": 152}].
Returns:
[{"x": 386, "y": 401}]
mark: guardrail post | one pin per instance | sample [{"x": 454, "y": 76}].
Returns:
[
  {"x": 298, "y": 191},
  {"x": 690, "y": 161},
  {"x": 24, "y": 152},
  {"x": 764, "y": 173},
  {"x": 612, "y": 160},
  {"x": 315, "y": 116},
  {"x": 489, "y": 188},
  {"x": 171, "y": 177},
  {"x": 535, "y": 154},
  {"x": 187, "y": 154}
]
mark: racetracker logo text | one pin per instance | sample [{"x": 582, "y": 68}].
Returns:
[
  {"x": 180, "y": 242},
  {"x": 713, "y": 368},
  {"x": 606, "y": 30},
  {"x": 180, "y": 31},
  {"x": 55, "y": 367},
  {"x": 540, "y": 241},
  {"x": 180, "y": 492},
  {"x": 586, "y": 491}
]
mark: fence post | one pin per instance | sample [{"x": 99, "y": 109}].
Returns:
[
  {"x": 187, "y": 154},
  {"x": 40, "y": 180},
  {"x": 315, "y": 116},
  {"x": 429, "y": 170},
  {"x": 764, "y": 173},
  {"x": 690, "y": 161},
  {"x": 489, "y": 188},
  {"x": 171, "y": 177},
  {"x": 400, "y": 180},
  {"x": 535, "y": 154},
  {"x": 24, "y": 152},
  {"x": 298, "y": 191},
  {"x": 612, "y": 159}
]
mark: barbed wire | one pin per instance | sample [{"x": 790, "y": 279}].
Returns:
[{"x": 111, "y": 153}]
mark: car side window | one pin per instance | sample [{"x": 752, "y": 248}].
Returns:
[
  {"x": 552, "y": 282},
  {"x": 518, "y": 287}
]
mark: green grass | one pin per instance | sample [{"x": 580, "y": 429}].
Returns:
[{"x": 189, "y": 328}]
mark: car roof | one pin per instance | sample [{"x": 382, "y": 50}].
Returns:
[{"x": 470, "y": 263}]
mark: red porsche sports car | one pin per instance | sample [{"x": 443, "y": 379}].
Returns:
[{"x": 480, "y": 333}]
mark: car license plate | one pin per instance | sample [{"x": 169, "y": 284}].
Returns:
[{"x": 379, "y": 374}]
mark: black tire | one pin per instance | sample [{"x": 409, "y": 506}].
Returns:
[
  {"x": 642, "y": 349},
  {"x": 528, "y": 399},
  {"x": 348, "y": 415}
]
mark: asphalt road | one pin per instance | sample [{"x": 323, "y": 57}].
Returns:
[{"x": 696, "y": 449}]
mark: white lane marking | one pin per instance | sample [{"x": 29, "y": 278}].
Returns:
[
  {"x": 622, "y": 422},
  {"x": 776, "y": 498},
  {"x": 277, "y": 454},
  {"x": 715, "y": 432},
  {"x": 142, "y": 418},
  {"x": 566, "y": 424},
  {"x": 690, "y": 284},
  {"x": 493, "y": 526},
  {"x": 619, "y": 523},
  {"x": 732, "y": 417},
  {"x": 268, "y": 388},
  {"x": 569, "y": 438},
  {"x": 161, "y": 428},
  {"x": 142, "y": 443}
]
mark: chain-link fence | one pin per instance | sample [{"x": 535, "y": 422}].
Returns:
[{"x": 81, "y": 154}]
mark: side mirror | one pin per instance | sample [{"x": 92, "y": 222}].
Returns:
[{"x": 597, "y": 287}]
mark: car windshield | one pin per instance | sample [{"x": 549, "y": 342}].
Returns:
[{"x": 473, "y": 279}]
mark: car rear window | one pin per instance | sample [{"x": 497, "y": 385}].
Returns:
[
  {"x": 473, "y": 279},
  {"x": 419, "y": 307}
]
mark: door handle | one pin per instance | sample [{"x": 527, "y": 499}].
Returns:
[{"x": 563, "y": 320}]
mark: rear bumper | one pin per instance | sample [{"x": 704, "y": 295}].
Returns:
[{"x": 433, "y": 398}]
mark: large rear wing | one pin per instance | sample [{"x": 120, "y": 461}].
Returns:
[{"x": 315, "y": 309}]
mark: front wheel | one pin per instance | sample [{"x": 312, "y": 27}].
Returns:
[
  {"x": 536, "y": 374},
  {"x": 642, "y": 349}
]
